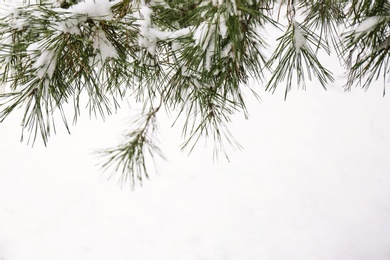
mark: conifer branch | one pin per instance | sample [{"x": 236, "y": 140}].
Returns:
[{"x": 193, "y": 57}]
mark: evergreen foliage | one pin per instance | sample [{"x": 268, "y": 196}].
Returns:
[{"x": 194, "y": 57}]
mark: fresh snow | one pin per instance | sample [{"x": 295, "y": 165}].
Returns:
[
  {"x": 103, "y": 46},
  {"x": 70, "y": 25},
  {"x": 223, "y": 30},
  {"x": 203, "y": 36},
  {"x": 299, "y": 38},
  {"x": 46, "y": 63},
  {"x": 96, "y": 9},
  {"x": 150, "y": 35},
  {"x": 367, "y": 25}
]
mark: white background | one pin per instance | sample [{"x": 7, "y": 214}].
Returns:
[{"x": 311, "y": 183}]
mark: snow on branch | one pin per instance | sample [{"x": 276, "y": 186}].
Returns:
[
  {"x": 368, "y": 25},
  {"x": 194, "y": 56},
  {"x": 94, "y": 9}
]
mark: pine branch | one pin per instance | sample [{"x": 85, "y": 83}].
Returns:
[
  {"x": 131, "y": 157},
  {"x": 366, "y": 49},
  {"x": 296, "y": 59},
  {"x": 194, "y": 57}
]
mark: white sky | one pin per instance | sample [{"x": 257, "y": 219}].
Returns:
[{"x": 312, "y": 183}]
